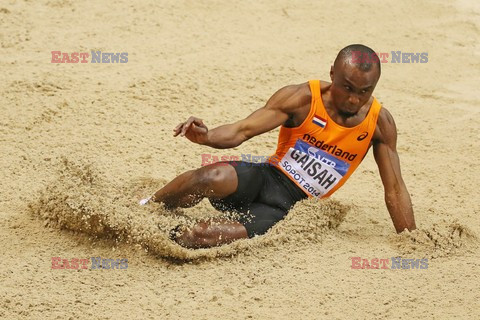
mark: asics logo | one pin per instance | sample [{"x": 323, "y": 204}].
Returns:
[{"x": 362, "y": 136}]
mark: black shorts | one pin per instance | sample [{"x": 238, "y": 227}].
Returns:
[{"x": 263, "y": 196}]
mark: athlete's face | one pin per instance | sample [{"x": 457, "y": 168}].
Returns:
[{"x": 351, "y": 87}]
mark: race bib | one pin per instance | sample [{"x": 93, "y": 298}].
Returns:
[{"x": 315, "y": 170}]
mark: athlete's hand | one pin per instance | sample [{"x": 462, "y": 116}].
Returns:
[{"x": 194, "y": 129}]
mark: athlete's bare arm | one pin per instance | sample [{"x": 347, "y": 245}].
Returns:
[
  {"x": 282, "y": 105},
  {"x": 397, "y": 197}
]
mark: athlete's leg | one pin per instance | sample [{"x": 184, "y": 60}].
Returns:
[
  {"x": 249, "y": 183},
  {"x": 215, "y": 181},
  {"x": 263, "y": 197},
  {"x": 259, "y": 219},
  {"x": 228, "y": 188},
  {"x": 211, "y": 233}
]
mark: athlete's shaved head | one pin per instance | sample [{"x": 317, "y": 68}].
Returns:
[
  {"x": 362, "y": 57},
  {"x": 354, "y": 75}
]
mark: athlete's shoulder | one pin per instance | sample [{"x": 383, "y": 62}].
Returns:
[
  {"x": 386, "y": 128},
  {"x": 385, "y": 118},
  {"x": 291, "y": 97},
  {"x": 298, "y": 90}
]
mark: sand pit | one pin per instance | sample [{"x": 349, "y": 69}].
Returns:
[{"x": 81, "y": 143}]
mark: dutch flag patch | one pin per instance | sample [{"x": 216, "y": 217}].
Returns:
[{"x": 319, "y": 121}]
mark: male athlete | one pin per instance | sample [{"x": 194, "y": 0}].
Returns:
[{"x": 326, "y": 129}]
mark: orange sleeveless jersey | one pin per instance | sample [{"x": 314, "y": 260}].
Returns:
[{"x": 320, "y": 155}]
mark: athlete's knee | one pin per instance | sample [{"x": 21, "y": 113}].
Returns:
[
  {"x": 216, "y": 175},
  {"x": 212, "y": 174}
]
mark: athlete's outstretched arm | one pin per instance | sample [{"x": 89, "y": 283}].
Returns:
[
  {"x": 397, "y": 197},
  {"x": 272, "y": 115}
]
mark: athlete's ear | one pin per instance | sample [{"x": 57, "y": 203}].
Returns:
[{"x": 331, "y": 73}]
